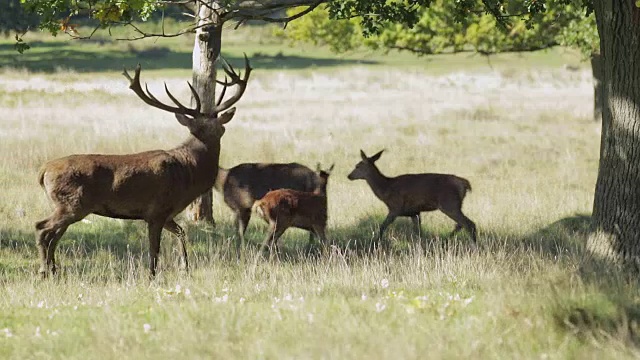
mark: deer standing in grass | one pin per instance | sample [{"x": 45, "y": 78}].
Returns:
[
  {"x": 285, "y": 208},
  {"x": 153, "y": 186},
  {"x": 243, "y": 184},
  {"x": 411, "y": 194}
]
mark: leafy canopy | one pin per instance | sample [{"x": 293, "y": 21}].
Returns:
[{"x": 449, "y": 26}]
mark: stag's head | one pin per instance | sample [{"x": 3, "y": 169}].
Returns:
[
  {"x": 366, "y": 167},
  {"x": 207, "y": 127}
]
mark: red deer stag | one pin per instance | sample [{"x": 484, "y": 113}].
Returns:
[
  {"x": 153, "y": 186},
  {"x": 411, "y": 194},
  {"x": 285, "y": 208},
  {"x": 243, "y": 184}
]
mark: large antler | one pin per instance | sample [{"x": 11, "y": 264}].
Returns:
[
  {"x": 147, "y": 97},
  {"x": 236, "y": 79}
]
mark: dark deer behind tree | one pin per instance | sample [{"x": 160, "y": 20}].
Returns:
[
  {"x": 411, "y": 194},
  {"x": 243, "y": 184},
  {"x": 153, "y": 186}
]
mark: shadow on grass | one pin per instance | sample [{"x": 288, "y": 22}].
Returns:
[
  {"x": 611, "y": 312},
  {"x": 114, "y": 60}
]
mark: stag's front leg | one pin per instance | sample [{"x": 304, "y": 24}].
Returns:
[
  {"x": 175, "y": 229},
  {"x": 155, "y": 232}
]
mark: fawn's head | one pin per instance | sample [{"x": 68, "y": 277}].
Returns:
[
  {"x": 365, "y": 167},
  {"x": 206, "y": 127},
  {"x": 322, "y": 179}
]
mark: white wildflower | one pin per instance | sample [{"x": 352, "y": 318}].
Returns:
[
  {"x": 380, "y": 307},
  {"x": 363, "y": 297},
  {"x": 37, "y": 334},
  {"x": 146, "y": 328},
  {"x": 242, "y": 300},
  {"x": 7, "y": 332},
  {"x": 384, "y": 283},
  {"x": 288, "y": 297}
]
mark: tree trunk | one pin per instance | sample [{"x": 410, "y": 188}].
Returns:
[
  {"x": 596, "y": 72},
  {"x": 205, "y": 52},
  {"x": 616, "y": 208}
]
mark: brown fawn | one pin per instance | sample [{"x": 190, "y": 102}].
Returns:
[
  {"x": 243, "y": 184},
  {"x": 285, "y": 208},
  {"x": 153, "y": 186},
  {"x": 411, "y": 194}
]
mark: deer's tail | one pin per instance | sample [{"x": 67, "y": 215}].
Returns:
[
  {"x": 257, "y": 208},
  {"x": 463, "y": 186}
]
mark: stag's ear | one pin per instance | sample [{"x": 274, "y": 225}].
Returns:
[
  {"x": 331, "y": 168},
  {"x": 318, "y": 167},
  {"x": 226, "y": 116},
  {"x": 184, "y": 120},
  {"x": 363, "y": 155},
  {"x": 375, "y": 157}
]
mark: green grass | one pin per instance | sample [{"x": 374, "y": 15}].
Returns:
[{"x": 523, "y": 138}]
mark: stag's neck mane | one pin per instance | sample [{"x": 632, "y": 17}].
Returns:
[{"x": 196, "y": 150}]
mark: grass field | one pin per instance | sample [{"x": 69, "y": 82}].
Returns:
[{"x": 520, "y": 131}]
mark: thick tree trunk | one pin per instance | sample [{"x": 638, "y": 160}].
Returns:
[
  {"x": 205, "y": 52},
  {"x": 596, "y": 72},
  {"x": 616, "y": 208}
]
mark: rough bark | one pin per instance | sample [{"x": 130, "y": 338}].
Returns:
[
  {"x": 206, "y": 50},
  {"x": 616, "y": 209},
  {"x": 596, "y": 72}
]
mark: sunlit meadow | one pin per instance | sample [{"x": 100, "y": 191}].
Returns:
[{"x": 525, "y": 139}]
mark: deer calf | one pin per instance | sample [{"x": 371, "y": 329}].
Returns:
[
  {"x": 243, "y": 184},
  {"x": 153, "y": 186},
  {"x": 285, "y": 208},
  {"x": 411, "y": 194}
]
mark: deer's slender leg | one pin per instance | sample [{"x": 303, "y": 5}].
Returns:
[
  {"x": 175, "y": 229},
  {"x": 48, "y": 233},
  {"x": 274, "y": 233},
  {"x": 155, "y": 232},
  {"x": 415, "y": 218},
  {"x": 385, "y": 224},
  {"x": 455, "y": 213},
  {"x": 320, "y": 233},
  {"x": 242, "y": 220}
]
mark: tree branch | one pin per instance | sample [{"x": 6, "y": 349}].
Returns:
[{"x": 253, "y": 15}]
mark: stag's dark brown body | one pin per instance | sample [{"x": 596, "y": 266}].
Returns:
[
  {"x": 243, "y": 184},
  {"x": 120, "y": 186},
  {"x": 153, "y": 186},
  {"x": 411, "y": 194}
]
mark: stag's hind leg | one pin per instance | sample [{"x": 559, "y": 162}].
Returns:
[
  {"x": 48, "y": 233},
  {"x": 175, "y": 229}
]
